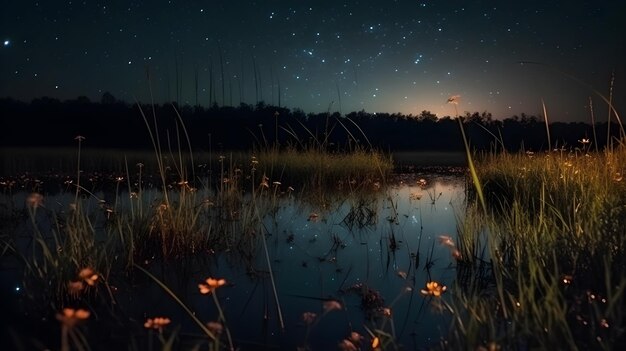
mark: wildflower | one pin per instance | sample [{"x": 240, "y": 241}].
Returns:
[
  {"x": 433, "y": 288},
  {"x": 157, "y": 323},
  {"x": 375, "y": 342},
  {"x": 446, "y": 240},
  {"x": 584, "y": 141},
  {"x": 119, "y": 179},
  {"x": 215, "y": 327},
  {"x": 290, "y": 189},
  {"x": 331, "y": 305},
  {"x": 313, "y": 217},
  {"x": 79, "y": 138},
  {"x": 277, "y": 183},
  {"x": 211, "y": 284},
  {"x": 422, "y": 182},
  {"x": 139, "y": 164},
  {"x": 88, "y": 276},
  {"x": 401, "y": 274},
  {"x": 71, "y": 317}
]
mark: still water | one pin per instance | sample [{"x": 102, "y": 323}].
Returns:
[{"x": 371, "y": 254}]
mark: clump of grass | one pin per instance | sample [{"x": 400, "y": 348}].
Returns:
[
  {"x": 318, "y": 169},
  {"x": 542, "y": 264}
]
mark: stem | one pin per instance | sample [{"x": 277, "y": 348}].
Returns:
[{"x": 223, "y": 319}]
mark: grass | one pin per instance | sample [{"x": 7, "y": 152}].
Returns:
[
  {"x": 156, "y": 207},
  {"x": 543, "y": 264},
  {"x": 541, "y": 247}
]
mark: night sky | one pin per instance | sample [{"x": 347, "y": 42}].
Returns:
[{"x": 380, "y": 56}]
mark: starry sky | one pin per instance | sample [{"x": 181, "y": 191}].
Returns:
[{"x": 379, "y": 56}]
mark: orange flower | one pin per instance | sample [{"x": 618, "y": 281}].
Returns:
[
  {"x": 88, "y": 276},
  {"x": 446, "y": 240},
  {"x": 211, "y": 284},
  {"x": 434, "y": 289},
  {"x": 70, "y": 317},
  {"x": 375, "y": 342},
  {"x": 157, "y": 323}
]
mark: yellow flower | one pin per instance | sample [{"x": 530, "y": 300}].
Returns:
[
  {"x": 157, "y": 323},
  {"x": 70, "y": 317},
  {"x": 434, "y": 289},
  {"x": 211, "y": 284}
]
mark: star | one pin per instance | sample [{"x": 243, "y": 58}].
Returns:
[{"x": 7, "y": 42}]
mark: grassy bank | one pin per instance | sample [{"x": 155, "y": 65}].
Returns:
[{"x": 543, "y": 265}]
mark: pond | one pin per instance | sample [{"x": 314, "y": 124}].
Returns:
[{"x": 358, "y": 264}]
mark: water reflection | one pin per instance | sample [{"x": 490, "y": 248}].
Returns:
[{"x": 372, "y": 254}]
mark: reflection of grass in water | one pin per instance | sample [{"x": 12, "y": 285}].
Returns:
[
  {"x": 543, "y": 265},
  {"x": 185, "y": 220}
]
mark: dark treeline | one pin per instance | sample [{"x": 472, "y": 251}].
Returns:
[{"x": 112, "y": 123}]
